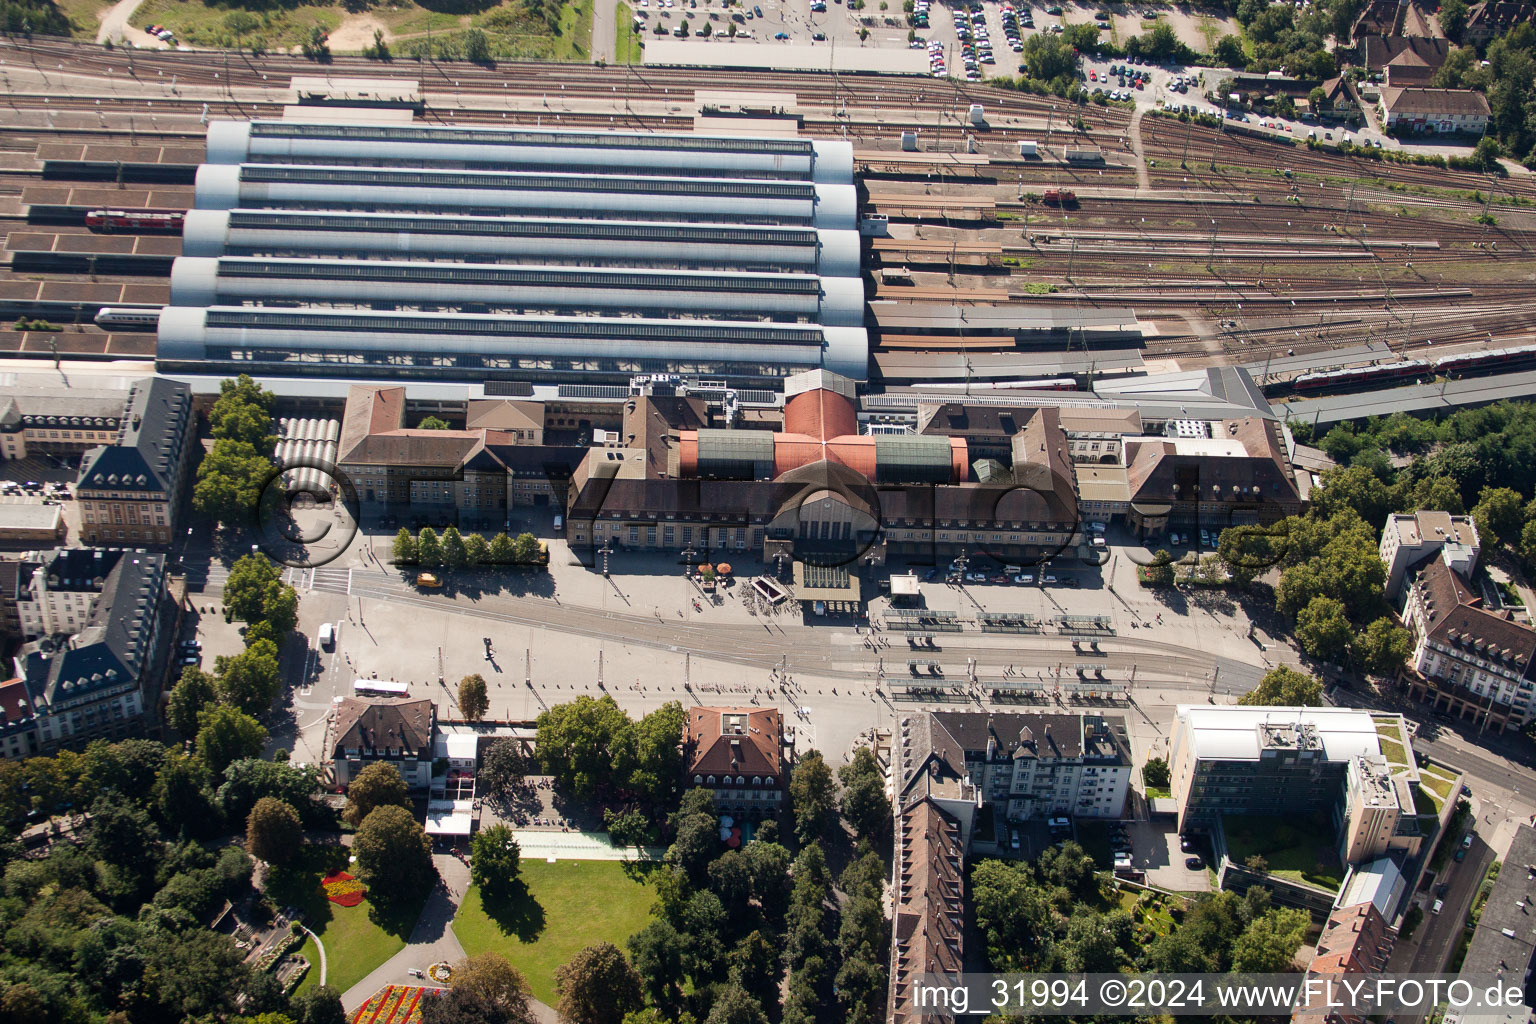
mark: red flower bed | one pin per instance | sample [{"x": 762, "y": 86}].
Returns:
[
  {"x": 393, "y": 1004},
  {"x": 342, "y": 889}
]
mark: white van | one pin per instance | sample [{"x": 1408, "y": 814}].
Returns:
[
  {"x": 559, "y": 523},
  {"x": 1439, "y": 905},
  {"x": 327, "y": 635}
]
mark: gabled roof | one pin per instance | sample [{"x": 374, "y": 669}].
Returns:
[
  {"x": 1413, "y": 100},
  {"x": 504, "y": 414},
  {"x": 738, "y": 741},
  {"x": 112, "y": 649},
  {"x": 1377, "y": 50},
  {"x": 1456, "y": 617},
  {"x": 15, "y": 702},
  {"x": 399, "y": 722},
  {"x": 148, "y": 449},
  {"x": 371, "y": 409},
  {"x": 1251, "y": 467},
  {"x": 929, "y": 932}
]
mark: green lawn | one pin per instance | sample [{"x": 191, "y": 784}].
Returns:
[
  {"x": 1158, "y": 793},
  {"x": 355, "y": 942},
  {"x": 1301, "y": 851},
  {"x": 569, "y": 905},
  {"x": 627, "y": 48},
  {"x": 1389, "y": 736},
  {"x": 1432, "y": 779}
]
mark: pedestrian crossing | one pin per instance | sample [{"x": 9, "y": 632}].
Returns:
[{"x": 330, "y": 580}]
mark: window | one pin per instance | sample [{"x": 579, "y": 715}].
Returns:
[
  {"x": 711, "y": 780},
  {"x": 698, "y": 780}
]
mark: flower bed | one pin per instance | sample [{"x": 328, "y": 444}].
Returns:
[
  {"x": 342, "y": 889},
  {"x": 393, "y": 1004}
]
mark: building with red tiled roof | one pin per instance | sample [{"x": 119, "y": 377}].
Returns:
[
  {"x": 738, "y": 754},
  {"x": 1355, "y": 940},
  {"x": 1474, "y": 662},
  {"x": 929, "y": 927},
  {"x": 18, "y": 734},
  {"x": 477, "y": 474}
]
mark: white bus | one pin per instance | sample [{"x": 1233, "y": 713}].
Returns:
[{"x": 380, "y": 688}]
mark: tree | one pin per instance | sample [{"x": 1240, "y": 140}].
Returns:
[
  {"x": 394, "y": 855},
  {"x": 755, "y": 967},
  {"x": 248, "y": 780},
  {"x": 627, "y": 827},
  {"x": 695, "y": 835},
  {"x": 1257, "y": 864},
  {"x": 1155, "y": 774},
  {"x": 243, "y": 412},
  {"x": 405, "y": 547},
  {"x": 429, "y": 553},
  {"x": 1014, "y": 915},
  {"x": 1499, "y": 515},
  {"x": 473, "y": 701},
  {"x": 1269, "y": 944},
  {"x": 1437, "y": 494},
  {"x": 1527, "y": 549},
  {"x": 585, "y": 744},
  {"x": 1286, "y": 688},
  {"x": 230, "y": 480},
  {"x": 486, "y": 989},
  {"x": 189, "y": 697},
  {"x": 598, "y": 986},
  {"x": 273, "y": 832},
  {"x": 658, "y": 752},
  {"x": 245, "y": 591},
  {"x": 1383, "y": 647},
  {"x": 319, "y": 1005},
  {"x": 1160, "y": 572},
  {"x": 864, "y": 803},
  {"x": 771, "y": 880},
  {"x": 657, "y": 950},
  {"x": 281, "y": 610},
  {"x": 502, "y": 552},
  {"x": 1323, "y": 629},
  {"x": 378, "y": 785},
  {"x": 476, "y": 550},
  {"x": 525, "y": 549},
  {"x": 864, "y": 876},
  {"x": 1229, "y": 52},
  {"x": 730, "y": 878},
  {"x": 181, "y": 795},
  {"x": 434, "y": 423},
  {"x": 225, "y": 734},
  {"x": 502, "y": 767},
  {"x": 249, "y": 680},
  {"x": 1453, "y": 18},
  {"x": 454, "y": 554},
  {"x": 735, "y": 1006},
  {"x": 477, "y": 49},
  {"x": 811, "y": 795},
  {"x": 494, "y": 859}
]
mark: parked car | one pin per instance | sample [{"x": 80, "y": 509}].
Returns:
[
  {"x": 1439, "y": 906},
  {"x": 1194, "y": 863}
]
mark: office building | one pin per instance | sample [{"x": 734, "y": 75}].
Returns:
[
  {"x": 98, "y": 626},
  {"x": 131, "y": 490},
  {"x": 1409, "y": 539},
  {"x": 1354, "y": 768}
]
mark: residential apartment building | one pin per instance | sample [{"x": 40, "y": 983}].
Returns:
[
  {"x": 929, "y": 908},
  {"x": 394, "y": 730},
  {"x": 1411, "y": 538},
  {"x": 130, "y": 491},
  {"x": 1035, "y": 765},
  {"x": 99, "y": 626},
  {"x": 475, "y": 476},
  {"x": 739, "y": 754},
  {"x": 1356, "y": 768},
  {"x": 1495, "y": 17},
  {"x": 1442, "y": 111},
  {"x": 1355, "y": 940},
  {"x": 57, "y": 421},
  {"x": 1477, "y": 664}
]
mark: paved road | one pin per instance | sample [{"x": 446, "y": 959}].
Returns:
[
  {"x": 604, "y": 29},
  {"x": 114, "y": 26}
]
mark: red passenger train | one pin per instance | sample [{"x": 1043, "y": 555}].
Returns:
[{"x": 135, "y": 220}]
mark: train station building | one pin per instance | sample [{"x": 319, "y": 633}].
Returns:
[{"x": 530, "y": 254}]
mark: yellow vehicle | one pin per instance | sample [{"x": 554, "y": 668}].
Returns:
[{"x": 428, "y": 580}]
